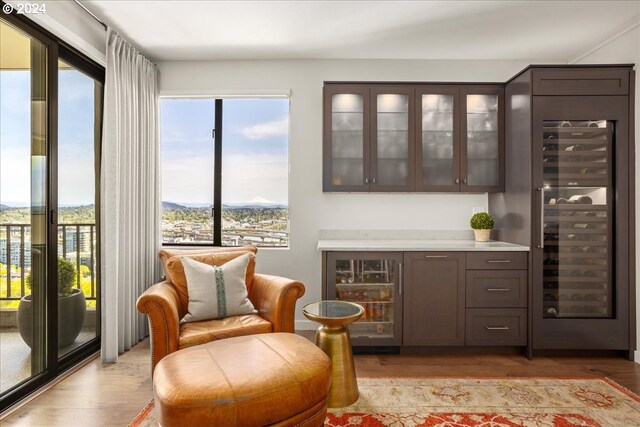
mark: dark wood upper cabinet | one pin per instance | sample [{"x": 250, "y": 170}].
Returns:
[
  {"x": 411, "y": 137},
  {"x": 346, "y": 150},
  {"x": 482, "y": 136},
  {"x": 392, "y": 167},
  {"x": 438, "y": 138}
]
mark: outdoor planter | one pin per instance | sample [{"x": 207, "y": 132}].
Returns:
[{"x": 71, "y": 312}]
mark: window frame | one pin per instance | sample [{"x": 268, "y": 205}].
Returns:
[{"x": 218, "y": 141}]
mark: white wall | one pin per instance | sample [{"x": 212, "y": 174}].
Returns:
[
  {"x": 312, "y": 210},
  {"x": 626, "y": 49}
]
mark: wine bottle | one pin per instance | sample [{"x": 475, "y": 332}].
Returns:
[
  {"x": 581, "y": 199},
  {"x": 576, "y": 147},
  {"x": 584, "y": 226},
  {"x": 595, "y": 171}
]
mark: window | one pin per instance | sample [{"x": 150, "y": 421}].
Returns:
[{"x": 225, "y": 171}]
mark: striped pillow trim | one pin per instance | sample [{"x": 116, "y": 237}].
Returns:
[{"x": 222, "y": 299}]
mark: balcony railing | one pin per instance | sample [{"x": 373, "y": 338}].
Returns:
[{"x": 80, "y": 238}]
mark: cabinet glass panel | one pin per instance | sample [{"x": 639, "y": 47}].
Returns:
[
  {"x": 392, "y": 139},
  {"x": 347, "y": 145},
  {"x": 437, "y": 139},
  {"x": 577, "y": 218},
  {"x": 482, "y": 140},
  {"x": 369, "y": 283}
]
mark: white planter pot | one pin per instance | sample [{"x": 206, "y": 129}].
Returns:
[{"x": 482, "y": 235}]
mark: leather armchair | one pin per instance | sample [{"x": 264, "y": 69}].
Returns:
[{"x": 274, "y": 298}]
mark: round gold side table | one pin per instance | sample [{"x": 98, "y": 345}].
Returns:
[{"x": 333, "y": 338}]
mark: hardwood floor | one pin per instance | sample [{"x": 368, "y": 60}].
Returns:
[{"x": 112, "y": 395}]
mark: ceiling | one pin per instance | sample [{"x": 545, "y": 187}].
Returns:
[{"x": 198, "y": 30}]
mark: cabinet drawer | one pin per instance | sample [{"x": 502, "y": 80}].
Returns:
[
  {"x": 505, "y": 288},
  {"x": 496, "y": 260},
  {"x": 496, "y": 326}
]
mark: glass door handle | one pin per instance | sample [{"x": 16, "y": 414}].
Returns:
[
  {"x": 457, "y": 180},
  {"x": 464, "y": 180},
  {"x": 400, "y": 281},
  {"x": 373, "y": 180},
  {"x": 366, "y": 180},
  {"x": 541, "y": 244}
]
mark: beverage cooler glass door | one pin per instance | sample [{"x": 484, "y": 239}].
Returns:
[
  {"x": 577, "y": 215},
  {"x": 371, "y": 281}
]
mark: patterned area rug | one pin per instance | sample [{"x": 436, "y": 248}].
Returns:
[{"x": 458, "y": 402}]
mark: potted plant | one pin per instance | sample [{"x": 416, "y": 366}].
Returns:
[
  {"x": 482, "y": 224},
  {"x": 71, "y": 307}
]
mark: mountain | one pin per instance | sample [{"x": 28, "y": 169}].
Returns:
[
  {"x": 3, "y": 206},
  {"x": 9, "y": 205},
  {"x": 254, "y": 206},
  {"x": 75, "y": 206},
  {"x": 171, "y": 205},
  {"x": 249, "y": 205}
]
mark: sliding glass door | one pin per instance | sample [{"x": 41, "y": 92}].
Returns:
[
  {"x": 79, "y": 129},
  {"x": 50, "y": 132},
  {"x": 23, "y": 206}
]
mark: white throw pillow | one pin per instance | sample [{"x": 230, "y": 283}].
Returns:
[{"x": 216, "y": 292}]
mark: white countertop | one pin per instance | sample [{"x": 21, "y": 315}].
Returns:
[{"x": 418, "y": 245}]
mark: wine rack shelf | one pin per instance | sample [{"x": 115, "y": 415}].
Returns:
[{"x": 577, "y": 261}]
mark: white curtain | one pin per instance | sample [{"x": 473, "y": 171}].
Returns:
[{"x": 130, "y": 188}]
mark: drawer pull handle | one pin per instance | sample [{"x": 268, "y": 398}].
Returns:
[
  {"x": 498, "y": 261},
  {"x": 497, "y": 328},
  {"x": 435, "y": 256},
  {"x": 498, "y": 289}
]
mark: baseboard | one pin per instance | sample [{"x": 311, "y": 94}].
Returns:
[{"x": 306, "y": 325}]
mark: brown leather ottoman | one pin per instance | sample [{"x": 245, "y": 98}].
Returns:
[{"x": 278, "y": 379}]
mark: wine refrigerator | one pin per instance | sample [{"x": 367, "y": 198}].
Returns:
[{"x": 580, "y": 223}]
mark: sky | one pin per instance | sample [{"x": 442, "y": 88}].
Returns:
[
  {"x": 255, "y": 162},
  {"x": 255, "y": 146},
  {"x": 75, "y": 138}
]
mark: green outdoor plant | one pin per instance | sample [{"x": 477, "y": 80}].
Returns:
[
  {"x": 481, "y": 221},
  {"x": 66, "y": 277}
]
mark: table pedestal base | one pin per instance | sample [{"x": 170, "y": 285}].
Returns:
[{"x": 334, "y": 341}]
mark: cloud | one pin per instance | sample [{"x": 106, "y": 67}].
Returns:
[{"x": 278, "y": 127}]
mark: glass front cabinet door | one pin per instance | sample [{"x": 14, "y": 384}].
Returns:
[
  {"x": 392, "y": 139},
  {"x": 372, "y": 280},
  {"x": 346, "y": 135},
  {"x": 482, "y": 135},
  {"x": 438, "y": 146}
]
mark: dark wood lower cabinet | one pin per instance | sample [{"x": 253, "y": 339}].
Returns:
[{"x": 434, "y": 299}]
